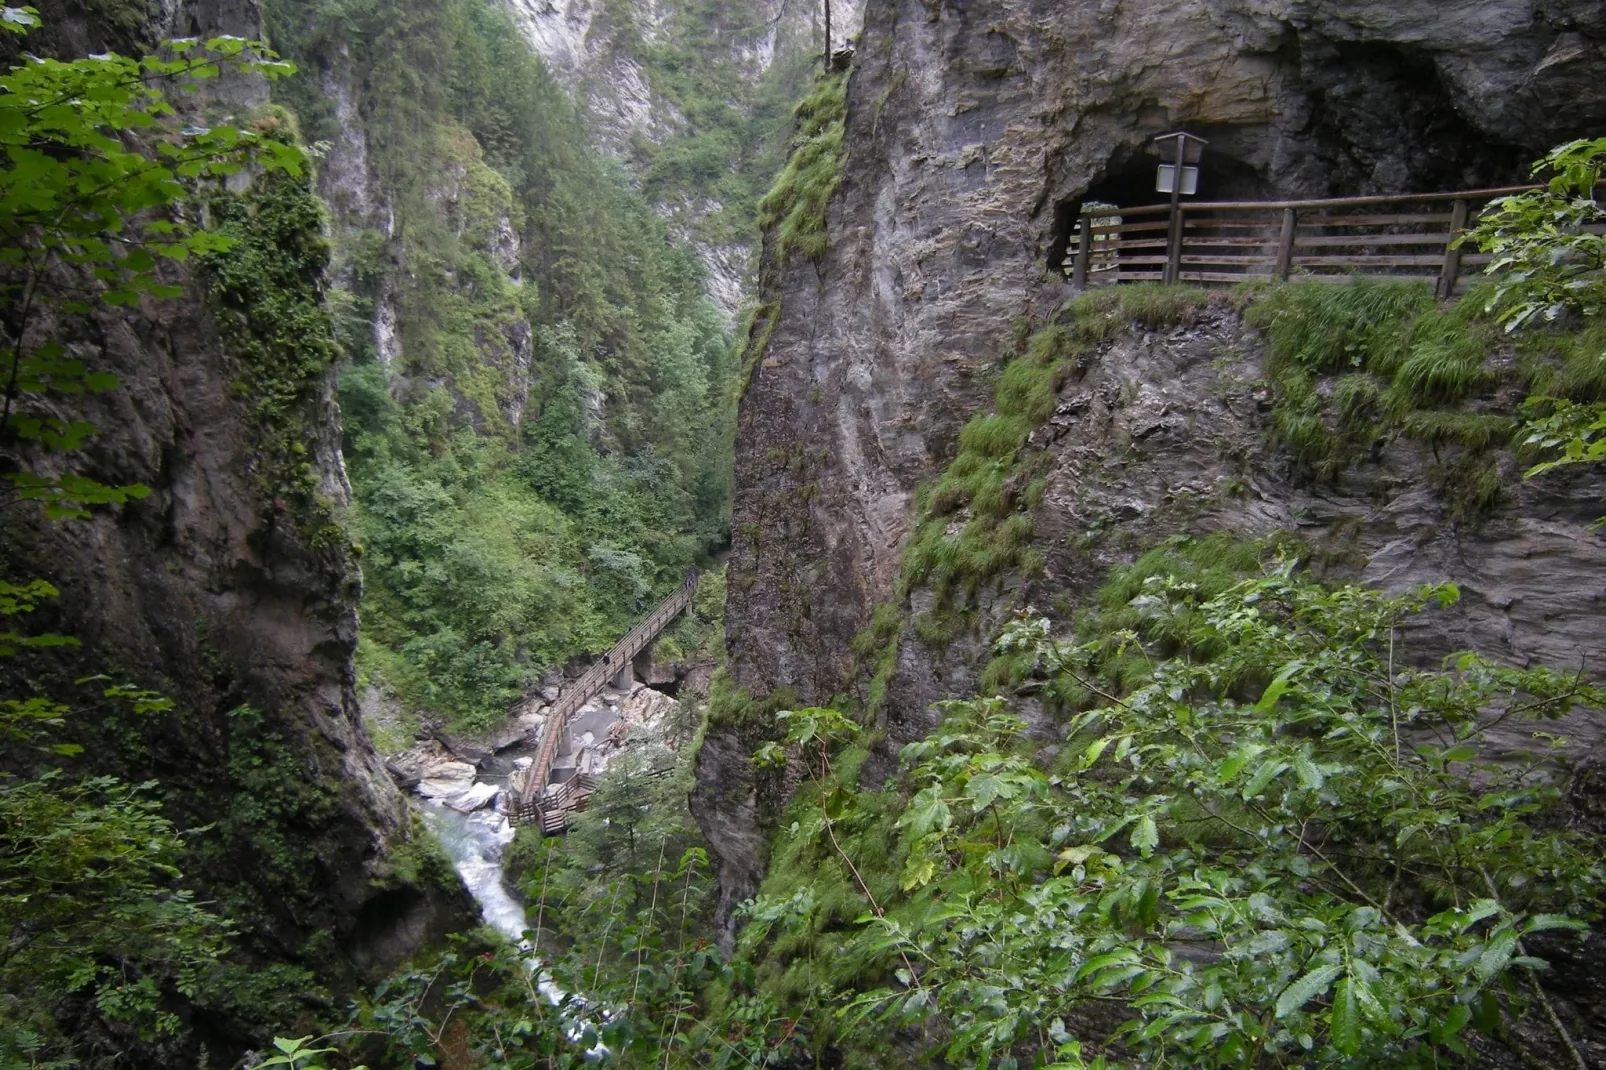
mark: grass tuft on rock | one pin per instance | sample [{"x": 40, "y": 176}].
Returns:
[
  {"x": 1357, "y": 364},
  {"x": 795, "y": 208}
]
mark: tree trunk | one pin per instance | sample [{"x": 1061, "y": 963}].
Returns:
[{"x": 827, "y": 34}]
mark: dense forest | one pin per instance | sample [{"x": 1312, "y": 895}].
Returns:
[
  {"x": 362, "y": 385},
  {"x": 519, "y": 499}
]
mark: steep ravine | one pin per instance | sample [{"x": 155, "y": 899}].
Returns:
[{"x": 664, "y": 86}]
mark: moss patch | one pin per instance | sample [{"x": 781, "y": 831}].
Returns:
[
  {"x": 268, "y": 289},
  {"x": 975, "y": 522},
  {"x": 794, "y": 210},
  {"x": 729, "y": 704}
]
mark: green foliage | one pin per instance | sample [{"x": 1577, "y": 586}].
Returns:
[
  {"x": 107, "y": 948},
  {"x": 96, "y": 160},
  {"x": 89, "y": 899},
  {"x": 795, "y": 209},
  {"x": 1578, "y": 432},
  {"x": 267, "y": 283},
  {"x": 1564, "y": 363},
  {"x": 548, "y": 452},
  {"x": 832, "y": 864},
  {"x": 1187, "y": 817},
  {"x": 1545, "y": 262},
  {"x": 272, "y": 801},
  {"x": 1357, "y": 364},
  {"x": 1128, "y": 635},
  {"x": 87, "y": 894},
  {"x": 298, "y": 1054},
  {"x": 477, "y": 578},
  {"x": 1548, "y": 267}
]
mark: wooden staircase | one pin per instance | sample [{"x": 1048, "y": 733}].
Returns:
[{"x": 528, "y": 802}]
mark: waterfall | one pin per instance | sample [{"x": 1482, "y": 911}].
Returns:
[{"x": 475, "y": 843}]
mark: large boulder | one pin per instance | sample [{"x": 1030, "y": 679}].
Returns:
[
  {"x": 644, "y": 706},
  {"x": 432, "y": 771}
]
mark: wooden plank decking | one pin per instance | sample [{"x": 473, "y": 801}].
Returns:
[{"x": 529, "y": 801}]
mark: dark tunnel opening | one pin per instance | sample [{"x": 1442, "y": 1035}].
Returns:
[{"x": 1128, "y": 181}]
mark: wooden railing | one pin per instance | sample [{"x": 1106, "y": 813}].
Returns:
[
  {"x": 525, "y": 801},
  {"x": 1407, "y": 237}
]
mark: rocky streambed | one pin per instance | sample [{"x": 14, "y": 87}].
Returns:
[{"x": 457, "y": 782}]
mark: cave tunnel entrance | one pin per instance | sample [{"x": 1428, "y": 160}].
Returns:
[{"x": 1128, "y": 182}]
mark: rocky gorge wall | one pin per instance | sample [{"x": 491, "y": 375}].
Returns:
[
  {"x": 232, "y": 590},
  {"x": 971, "y": 131}
]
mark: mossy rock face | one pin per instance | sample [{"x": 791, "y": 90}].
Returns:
[
  {"x": 232, "y": 591},
  {"x": 1358, "y": 365},
  {"x": 794, "y": 211},
  {"x": 976, "y": 520},
  {"x": 268, "y": 288},
  {"x": 1174, "y": 420}
]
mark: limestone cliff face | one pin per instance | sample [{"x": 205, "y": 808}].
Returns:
[
  {"x": 592, "y": 50},
  {"x": 601, "y": 53},
  {"x": 478, "y": 208},
  {"x": 972, "y": 130}
]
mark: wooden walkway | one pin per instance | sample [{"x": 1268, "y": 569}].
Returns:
[
  {"x": 529, "y": 801},
  {"x": 1406, "y": 237}
]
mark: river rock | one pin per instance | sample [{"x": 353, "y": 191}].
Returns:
[
  {"x": 463, "y": 750},
  {"x": 647, "y": 707},
  {"x": 510, "y": 735},
  {"x": 447, "y": 781},
  {"x": 477, "y": 797},
  {"x": 654, "y": 673},
  {"x": 423, "y": 761},
  {"x": 433, "y": 772}
]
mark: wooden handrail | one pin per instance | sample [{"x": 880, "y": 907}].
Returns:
[
  {"x": 592, "y": 681},
  {"x": 1329, "y": 202},
  {"x": 1240, "y": 241}
]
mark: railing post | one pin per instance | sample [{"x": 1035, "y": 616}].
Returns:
[
  {"x": 1285, "y": 244},
  {"x": 1084, "y": 253},
  {"x": 1173, "y": 260},
  {"x": 1452, "y": 251}
]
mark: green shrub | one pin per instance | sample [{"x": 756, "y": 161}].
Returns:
[{"x": 1185, "y": 808}]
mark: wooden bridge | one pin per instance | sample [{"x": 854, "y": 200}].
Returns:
[
  {"x": 1406, "y": 237},
  {"x": 527, "y": 799}
]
